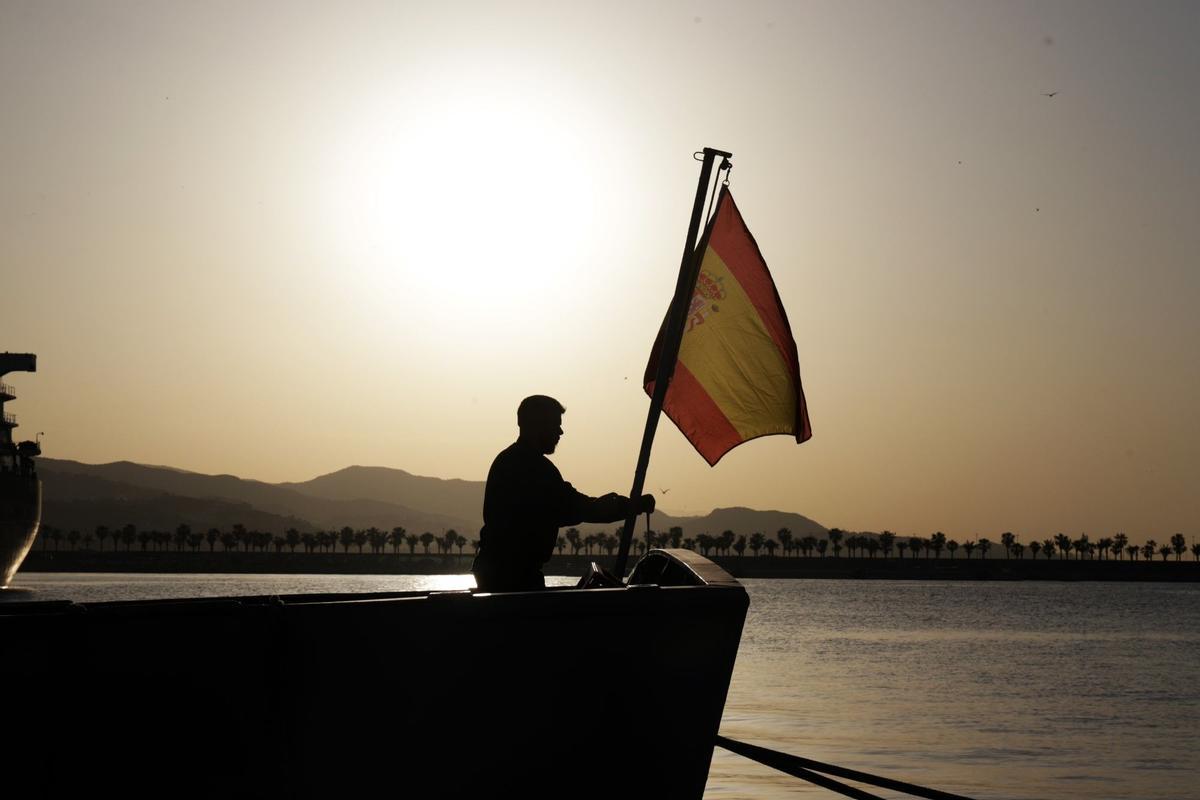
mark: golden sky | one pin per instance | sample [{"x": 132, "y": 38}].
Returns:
[{"x": 277, "y": 239}]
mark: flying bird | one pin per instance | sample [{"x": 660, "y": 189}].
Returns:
[{"x": 1049, "y": 94}]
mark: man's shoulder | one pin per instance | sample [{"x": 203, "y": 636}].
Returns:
[{"x": 519, "y": 457}]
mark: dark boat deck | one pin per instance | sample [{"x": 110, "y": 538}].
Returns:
[{"x": 566, "y": 692}]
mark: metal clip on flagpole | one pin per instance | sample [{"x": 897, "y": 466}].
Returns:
[{"x": 672, "y": 334}]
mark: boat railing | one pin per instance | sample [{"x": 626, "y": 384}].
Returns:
[
  {"x": 7, "y": 390},
  {"x": 10, "y": 419}
]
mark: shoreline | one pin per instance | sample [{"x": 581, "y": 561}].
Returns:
[{"x": 830, "y": 567}]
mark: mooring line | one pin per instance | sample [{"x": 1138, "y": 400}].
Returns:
[{"x": 808, "y": 769}]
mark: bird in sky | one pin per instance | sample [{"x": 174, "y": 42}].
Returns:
[{"x": 1049, "y": 94}]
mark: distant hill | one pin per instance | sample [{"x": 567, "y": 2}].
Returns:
[
  {"x": 451, "y": 498},
  {"x": 82, "y": 496},
  {"x": 738, "y": 519},
  {"x": 163, "y": 497}
]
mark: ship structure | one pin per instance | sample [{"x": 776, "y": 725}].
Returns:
[{"x": 20, "y": 489}]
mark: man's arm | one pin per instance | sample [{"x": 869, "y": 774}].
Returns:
[{"x": 611, "y": 507}]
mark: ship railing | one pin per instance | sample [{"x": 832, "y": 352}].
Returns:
[
  {"x": 10, "y": 419},
  {"x": 5, "y": 389}
]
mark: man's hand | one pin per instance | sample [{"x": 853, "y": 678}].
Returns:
[{"x": 646, "y": 504}]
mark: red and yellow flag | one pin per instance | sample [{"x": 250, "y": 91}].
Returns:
[{"x": 737, "y": 377}]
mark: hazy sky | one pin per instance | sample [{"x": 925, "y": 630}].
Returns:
[{"x": 277, "y": 239}]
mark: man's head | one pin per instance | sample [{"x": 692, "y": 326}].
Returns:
[{"x": 540, "y": 419}]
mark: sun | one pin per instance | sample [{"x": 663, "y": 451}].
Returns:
[{"x": 480, "y": 190}]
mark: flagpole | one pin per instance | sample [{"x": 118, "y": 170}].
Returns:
[{"x": 672, "y": 334}]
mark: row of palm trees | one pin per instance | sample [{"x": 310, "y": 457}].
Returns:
[
  {"x": 398, "y": 539},
  {"x": 1117, "y": 546},
  {"x": 238, "y": 538}
]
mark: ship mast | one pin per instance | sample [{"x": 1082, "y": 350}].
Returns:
[{"x": 672, "y": 333}]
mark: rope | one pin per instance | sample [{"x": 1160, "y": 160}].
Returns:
[{"x": 807, "y": 769}]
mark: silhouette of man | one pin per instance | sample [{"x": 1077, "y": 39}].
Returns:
[{"x": 527, "y": 500}]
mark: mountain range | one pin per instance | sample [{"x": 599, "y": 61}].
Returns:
[{"x": 81, "y": 496}]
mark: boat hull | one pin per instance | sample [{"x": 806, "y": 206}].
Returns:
[
  {"x": 20, "y": 516},
  {"x": 577, "y": 693}
]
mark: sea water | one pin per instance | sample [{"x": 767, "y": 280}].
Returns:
[{"x": 986, "y": 689}]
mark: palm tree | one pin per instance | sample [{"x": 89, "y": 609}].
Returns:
[
  {"x": 1118, "y": 544},
  {"x": 739, "y": 546},
  {"x": 1148, "y": 549},
  {"x": 785, "y": 539},
  {"x": 675, "y": 534},
  {"x": 1080, "y": 545},
  {"x": 1034, "y": 547},
  {"x": 102, "y": 534},
  {"x": 181, "y": 536},
  {"x": 756, "y": 542},
  {"x": 73, "y": 538},
  {"x": 886, "y": 540},
  {"x": 937, "y": 543},
  {"x": 914, "y": 544},
  {"x": 376, "y": 538},
  {"x": 87, "y": 541},
  {"x": 969, "y": 545},
  {"x": 951, "y": 546},
  {"x": 129, "y": 535},
  {"x": 1019, "y": 549},
  {"x": 574, "y": 540},
  {"x": 1048, "y": 548},
  {"x": 1063, "y": 543},
  {"x": 360, "y": 538},
  {"x": 396, "y": 538},
  {"x": 1133, "y": 551},
  {"x": 239, "y": 534},
  {"x": 984, "y": 546},
  {"x": 426, "y": 540},
  {"x": 1164, "y": 551},
  {"x": 822, "y": 546},
  {"x": 1179, "y": 545},
  {"x": 900, "y": 548},
  {"x": 292, "y": 537},
  {"x": 1007, "y": 538},
  {"x": 1103, "y": 546},
  {"x": 1196, "y": 551},
  {"x": 835, "y": 539}
]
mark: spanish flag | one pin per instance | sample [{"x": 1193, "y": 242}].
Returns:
[{"x": 737, "y": 376}]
